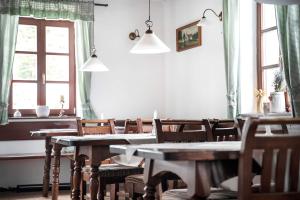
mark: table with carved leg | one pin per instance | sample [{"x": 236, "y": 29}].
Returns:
[
  {"x": 192, "y": 162},
  {"x": 47, "y": 134},
  {"x": 96, "y": 149}
]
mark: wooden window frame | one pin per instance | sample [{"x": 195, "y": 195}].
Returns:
[
  {"x": 260, "y": 32},
  {"x": 41, "y": 66}
]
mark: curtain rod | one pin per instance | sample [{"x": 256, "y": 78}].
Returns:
[{"x": 101, "y": 4}]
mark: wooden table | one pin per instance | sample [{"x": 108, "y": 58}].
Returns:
[
  {"x": 48, "y": 134},
  {"x": 190, "y": 161},
  {"x": 96, "y": 148}
]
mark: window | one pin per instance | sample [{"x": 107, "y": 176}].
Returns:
[
  {"x": 44, "y": 67},
  {"x": 268, "y": 47}
]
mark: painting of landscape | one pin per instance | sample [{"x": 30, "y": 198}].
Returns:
[{"x": 188, "y": 37}]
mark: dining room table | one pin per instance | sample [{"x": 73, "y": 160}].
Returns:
[
  {"x": 47, "y": 134},
  {"x": 192, "y": 162},
  {"x": 96, "y": 149}
]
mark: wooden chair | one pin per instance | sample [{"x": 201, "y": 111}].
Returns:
[
  {"x": 109, "y": 173},
  {"x": 146, "y": 124},
  {"x": 222, "y": 130},
  {"x": 280, "y": 164},
  {"x": 167, "y": 131},
  {"x": 133, "y": 126},
  {"x": 280, "y": 129}
]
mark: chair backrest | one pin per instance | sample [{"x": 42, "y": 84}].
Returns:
[
  {"x": 95, "y": 126},
  {"x": 280, "y": 161},
  {"x": 133, "y": 126},
  {"x": 146, "y": 124},
  {"x": 280, "y": 129},
  {"x": 173, "y": 131},
  {"x": 221, "y": 130}
]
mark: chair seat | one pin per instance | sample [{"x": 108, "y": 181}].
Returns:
[
  {"x": 137, "y": 179},
  {"x": 115, "y": 170},
  {"x": 216, "y": 194}
]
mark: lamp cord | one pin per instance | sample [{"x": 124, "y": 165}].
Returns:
[{"x": 148, "y": 22}]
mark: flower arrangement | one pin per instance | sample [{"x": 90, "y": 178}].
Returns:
[{"x": 278, "y": 81}]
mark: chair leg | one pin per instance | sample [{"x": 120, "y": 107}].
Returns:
[
  {"x": 129, "y": 190},
  {"x": 83, "y": 190},
  {"x": 114, "y": 189},
  {"x": 102, "y": 185},
  {"x": 72, "y": 165}
]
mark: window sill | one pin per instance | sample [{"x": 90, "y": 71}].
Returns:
[{"x": 42, "y": 119}]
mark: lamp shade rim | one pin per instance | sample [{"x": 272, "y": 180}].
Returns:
[
  {"x": 93, "y": 64},
  {"x": 150, "y": 44}
]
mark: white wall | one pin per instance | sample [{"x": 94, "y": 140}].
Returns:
[
  {"x": 24, "y": 172},
  {"x": 134, "y": 86},
  {"x": 195, "y": 78}
]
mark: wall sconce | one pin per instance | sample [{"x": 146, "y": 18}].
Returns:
[
  {"x": 134, "y": 35},
  {"x": 203, "y": 21}
]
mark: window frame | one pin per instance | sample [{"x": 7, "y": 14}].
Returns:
[
  {"x": 41, "y": 53},
  {"x": 260, "y": 33}
]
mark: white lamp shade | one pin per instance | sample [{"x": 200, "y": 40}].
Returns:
[
  {"x": 202, "y": 22},
  {"x": 279, "y": 2},
  {"x": 93, "y": 64},
  {"x": 149, "y": 44}
]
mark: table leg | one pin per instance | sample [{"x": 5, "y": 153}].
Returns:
[
  {"x": 56, "y": 169},
  {"x": 47, "y": 165},
  {"x": 77, "y": 178},
  {"x": 94, "y": 181},
  {"x": 150, "y": 181}
]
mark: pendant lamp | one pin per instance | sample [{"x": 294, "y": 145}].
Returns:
[
  {"x": 279, "y": 2},
  {"x": 149, "y": 43},
  {"x": 93, "y": 64}
]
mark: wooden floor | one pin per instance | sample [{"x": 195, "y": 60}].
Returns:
[{"x": 64, "y": 195}]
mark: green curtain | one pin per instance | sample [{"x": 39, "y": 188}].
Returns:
[
  {"x": 288, "y": 22},
  {"x": 232, "y": 56},
  {"x": 50, "y": 9},
  {"x": 8, "y": 37},
  {"x": 83, "y": 31}
]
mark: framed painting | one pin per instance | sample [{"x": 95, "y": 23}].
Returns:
[{"x": 188, "y": 37}]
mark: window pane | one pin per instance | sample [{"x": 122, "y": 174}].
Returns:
[
  {"x": 57, "y": 39},
  {"x": 27, "y": 38},
  {"x": 25, "y": 67},
  {"x": 268, "y": 16},
  {"x": 24, "y": 95},
  {"x": 54, "y": 91},
  {"x": 270, "y": 48},
  {"x": 57, "y": 68},
  {"x": 269, "y": 75}
]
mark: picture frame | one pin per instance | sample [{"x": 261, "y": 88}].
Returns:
[{"x": 188, "y": 37}]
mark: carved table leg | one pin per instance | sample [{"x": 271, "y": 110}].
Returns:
[
  {"x": 47, "y": 165},
  {"x": 56, "y": 169},
  {"x": 94, "y": 181},
  {"x": 77, "y": 178}
]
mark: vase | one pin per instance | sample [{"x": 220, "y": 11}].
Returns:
[
  {"x": 277, "y": 102},
  {"x": 42, "y": 111}
]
